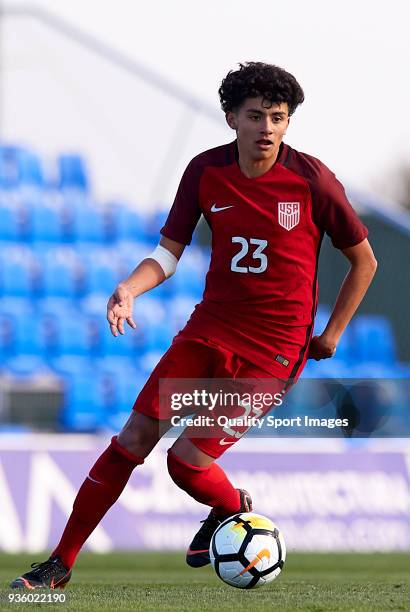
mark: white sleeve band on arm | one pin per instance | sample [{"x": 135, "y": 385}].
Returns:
[{"x": 166, "y": 260}]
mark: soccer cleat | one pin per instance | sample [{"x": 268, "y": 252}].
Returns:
[
  {"x": 198, "y": 552},
  {"x": 51, "y": 574}
]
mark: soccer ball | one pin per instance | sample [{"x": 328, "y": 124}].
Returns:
[{"x": 247, "y": 550}]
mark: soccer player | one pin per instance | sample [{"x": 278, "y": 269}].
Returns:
[{"x": 268, "y": 207}]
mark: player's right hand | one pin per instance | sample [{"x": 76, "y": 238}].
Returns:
[
  {"x": 321, "y": 348},
  {"x": 119, "y": 309}
]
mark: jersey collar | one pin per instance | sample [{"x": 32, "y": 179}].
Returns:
[{"x": 233, "y": 153}]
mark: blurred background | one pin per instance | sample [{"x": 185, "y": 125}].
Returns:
[{"x": 102, "y": 105}]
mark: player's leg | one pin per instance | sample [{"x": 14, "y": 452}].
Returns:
[
  {"x": 112, "y": 470},
  {"x": 99, "y": 491},
  {"x": 143, "y": 429},
  {"x": 192, "y": 464},
  {"x": 105, "y": 482},
  {"x": 196, "y": 472}
]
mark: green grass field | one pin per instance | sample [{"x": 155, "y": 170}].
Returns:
[{"x": 162, "y": 581}]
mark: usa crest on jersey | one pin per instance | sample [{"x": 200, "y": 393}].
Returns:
[{"x": 288, "y": 214}]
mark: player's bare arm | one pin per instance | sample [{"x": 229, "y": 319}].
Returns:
[
  {"x": 147, "y": 275},
  {"x": 353, "y": 289}
]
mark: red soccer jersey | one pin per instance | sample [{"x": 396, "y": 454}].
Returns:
[{"x": 261, "y": 289}]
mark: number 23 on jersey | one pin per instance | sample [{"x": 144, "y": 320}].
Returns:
[{"x": 257, "y": 254}]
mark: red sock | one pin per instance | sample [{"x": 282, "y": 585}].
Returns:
[
  {"x": 112, "y": 471},
  {"x": 208, "y": 485}
]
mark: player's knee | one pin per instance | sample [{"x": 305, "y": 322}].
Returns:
[
  {"x": 184, "y": 473},
  {"x": 135, "y": 444},
  {"x": 187, "y": 452},
  {"x": 140, "y": 434}
]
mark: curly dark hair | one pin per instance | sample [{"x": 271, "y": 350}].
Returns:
[{"x": 254, "y": 79}]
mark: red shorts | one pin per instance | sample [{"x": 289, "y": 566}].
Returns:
[{"x": 198, "y": 364}]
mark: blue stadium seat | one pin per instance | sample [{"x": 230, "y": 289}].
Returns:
[
  {"x": 8, "y": 168},
  {"x": 117, "y": 365},
  {"x": 10, "y": 221},
  {"x": 61, "y": 273},
  {"x": 118, "y": 354},
  {"x": 188, "y": 282},
  {"x": 153, "y": 224},
  {"x": 68, "y": 336},
  {"x": 373, "y": 339},
  {"x": 158, "y": 337},
  {"x": 180, "y": 309},
  {"x": 18, "y": 270},
  {"x": 71, "y": 334},
  {"x": 125, "y": 223},
  {"x": 72, "y": 365},
  {"x": 19, "y": 167},
  {"x": 125, "y": 391},
  {"x": 57, "y": 305},
  {"x": 87, "y": 223},
  {"x": 28, "y": 335},
  {"x": 72, "y": 173},
  {"x": 108, "y": 345},
  {"x": 94, "y": 304},
  {"x": 30, "y": 170},
  {"x": 11, "y": 306},
  {"x": 189, "y": 278},
  {"x": 149, "y": 310},
  {"x": 160, "y": 292},
  {"x": 131, "y": 253},
  {"x": 45, "y": 222},
  {"x": 101, "y": 274},
  {"x": 146, "y": 362},
  {"x": 84, "y": 403},
  {"x": 27, "y": 351}
]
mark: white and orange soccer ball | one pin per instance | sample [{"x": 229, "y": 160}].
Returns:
[{"x": 247, "y": 550}]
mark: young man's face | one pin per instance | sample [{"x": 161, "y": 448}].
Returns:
[{"x": 259, "y": 130}]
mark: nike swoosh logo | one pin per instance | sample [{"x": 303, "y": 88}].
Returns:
[
  {"x": 223, "y": 442},
  {"x": 94, "y": 480},
  {"x": 214, "y": 208},
  {"x": 195, "y": 552}
]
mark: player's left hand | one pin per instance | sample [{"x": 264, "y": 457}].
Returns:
[
  {"x": 119, "y": 310},
  {"x": 321, "y": 348}
]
